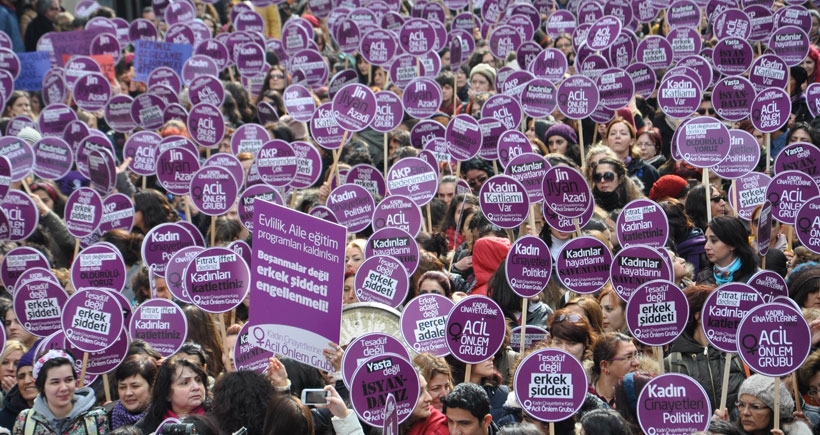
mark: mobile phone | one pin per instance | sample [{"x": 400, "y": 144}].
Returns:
[{"x": 315, "y": 396}]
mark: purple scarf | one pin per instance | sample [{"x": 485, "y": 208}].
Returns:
[{"x": 121, "y": 417}]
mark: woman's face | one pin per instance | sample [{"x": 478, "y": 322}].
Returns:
[
  {"x": 461, "y": 78},
  {"x": 564, "y": 44},
  {"x": 36, "y": 107},
  {"x": 162, "y": 289},
  {"x": 447, "y": 94},
  {"x": 619, "y": 139},
  {"x": 812, "y": 299},
  {"x": 8, "y": 367},
  {"x": 624, "y": 361},
  {"x": 479, "y": 83},
  {"x": 445, "y": 59},
  {"x": 26, "y": 383},
  {"x": 755, "y": 416},
  {"x": 557, "y": 144},
  {"x": 14, "y": 330},
  {"x": 488, "y": 59},
  {"x": 349, "y": 291},
  {"x": 353, "y": 258},
  {"x": 574, "y": 348},
  {"x": 380, "y": 78},
  {"x": 614, "y": 320},
  {"x": 809, "y": 65},
  {"x": 20, "y": 107},
  {"x": 605, "y": 177},
  {"x": 718, "y": 252},
  {"x": 59, "y": 388},
  {"x": 187, "y": 391},
  {"x": 800, "y": 135},
  {"x": 484, "y": 369},
  {"x": 430, "y": 286},
  {"x": 363, "y": 66},
  {"x": 646, "y": 146},
  {"x": 135, "y": 393},
  {"x": 679, "y": 267},
  {"x": 438, "y": 387},
  {"x": 718, "y": 203},
  {"x": 277, "y": 80}
]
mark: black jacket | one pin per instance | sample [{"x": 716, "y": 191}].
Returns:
[{"x": 13, "y": 403}]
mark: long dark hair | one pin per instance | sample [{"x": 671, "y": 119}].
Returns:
[
  {"x": 286, "y": 415},
  {"x": 155, "y": 208},
  {"x": 730, "y": 230},
  {"x": 160, "y": 405},
  {"x": 237, "y": 397}
]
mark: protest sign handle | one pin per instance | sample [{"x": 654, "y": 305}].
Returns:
[
  {"x": 455, "y": 96},
  {"x": 212, "y": 230},
  {"x": 523, "y": 343},
  {"x": 577, "y": 227},
  {"x": 531, "y": 219},
  {"x": 468, "y": 371},
  {"x": 510, "y": 235},
  {"x": 144, "y": 182},
  {"x": 384, "y": 156},
  {"x": 82, "y": 371},
  {"x": 455, "y": 236},
  {"x": 789, "y": 237},
  {"x": 76, "y": 247},
  {"x": 336, "y": 153},
  {"x": 107, "y": 388},
  {"x": 724, "y": 387},
  {"x": 795, "y": 389},
  {"x": 25, "y": 187},
  {"x": 552, "y": 428},
  {"x": 768, "y": 143},
  {"x": 429, "y": 220},
  {"x": 658, "y": 351},
  {"x": 581, "y": 144},
  {"x": 708, "y": 193},
  {"x": 776, "y": 406}
]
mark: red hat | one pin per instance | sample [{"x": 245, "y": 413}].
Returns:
[{"x": 668, "y": 186}]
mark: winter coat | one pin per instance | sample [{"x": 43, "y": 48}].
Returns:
[
  {"x": 13, "y": 403},
  {"x": 435, "y": 424},
  {"x": 84, "y": 419}
]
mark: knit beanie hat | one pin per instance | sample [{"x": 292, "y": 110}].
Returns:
[
  {"x": 27, "y": 359},
  {"x": 485, "y": 70},
  {"x": 563, "y": 130},
  {"x": 668, "y": 186},
  {"x": 802, "y": 275},
  {"x": 29, "y": 135},
  {"x": 762, "y": 387}
]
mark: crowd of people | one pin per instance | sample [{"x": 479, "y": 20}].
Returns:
[{"x": 462, "y": 252}]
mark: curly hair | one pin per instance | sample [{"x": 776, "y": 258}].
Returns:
[
  {"x": 155, "y": 208},
  {"x": 160, "y": 405},
  {"x": 237, "y": 396}
]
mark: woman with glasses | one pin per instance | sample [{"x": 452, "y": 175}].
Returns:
[
  {"x": 649, "y": 145},
  {"x": 696, "y": 205},
  {"x": 571, "y": 332},
  {"x": 620, "y": 137},
  {"x": 612, "y": 188},
  {"x": 755, "y": 407},
  {"x": 276, "y": 80},
  {"x": 727, "y": 248},
  {"x": 691, "y": 353},
  {"x": 809, "y": 377},
  {"x": 613, "y": 356}
]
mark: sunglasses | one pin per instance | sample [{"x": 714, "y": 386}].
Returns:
[
  {"x": 574, "y": 318},
  {"x": 702, "y": 111},
  {"x": 606, "y": 176},
  {"x": 277, "y": 76},
  {"x": 717, "y": 199}
]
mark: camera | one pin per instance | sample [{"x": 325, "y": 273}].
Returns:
[{"x": 179, "y": 429}]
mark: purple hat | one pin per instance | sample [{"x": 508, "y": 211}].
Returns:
[
  {"x": 28, "y": 358},
  {"x": 564, "y": 131}
]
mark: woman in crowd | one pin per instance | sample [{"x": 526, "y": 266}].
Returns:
[
  {"x": 179, "y": 391},
  {"x": 561, "y": 139},
  {"x": 151, "y": 208},
  {"x": 612, "y": 188},
  {"x": 437, "y": 374},
  {"x": 804, "y": 285},
  {"x": 613, "y": 356},
  {"x": 9, "y": 359},
  {"x": 60, "y": 407},
  {"x": 354, "y": 255},
  {"x": 590, "y": 309},
  {"x": 14, "y": 330},
  {"x": 134, "y": 378},
  {"x": 696, "y": 205},
  {"x": 437, "y": 282},
  {"x": 687, "y": 238},
  {"x": 22, "y": 395},
  {"x": 18, "y": 104},
  {"x": 572, "y": 333},
  {"x": 613, "y": 309},
  {"x": 620, "y": 137},
  {"x": 728, "y": 249},
  {"x": 649, "y": 144},
  {"x": 755, "y": 405}
]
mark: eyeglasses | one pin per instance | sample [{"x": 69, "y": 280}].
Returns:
[
  {"x": 702, "y": 111},
  {"x": 813, "y": 392},
  {"x": 628, "y": 357},
  {"x": 646, "y": 145},
  {"x": 754, "y": 407},
  {"x": 717, "y": 199},
  {"x": 574, "y": 318},
  {"x": 473, "y": 182},
  {"x": 606, "y": 176},
  {"x": 563, "y": 46},
  {"x": 277, "y": 76}
]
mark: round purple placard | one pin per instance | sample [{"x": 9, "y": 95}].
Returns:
[
  {"x": 16, "y": 262},
  {"x": 673, "y": 391},
  {"x": 175, "y": 170},
  {"x": 808, "y": 225},
  {"x": 416, "y": 36},
  {"x": 583, "y": 265},
  {"x": 642, "y": 221},
  {"x": 616, "y": 88},
  {"x": 217, "y": 279},
  {"x": 118, "y": 113},
  {"x": 276, "y": 162},
  {"x": 723, "y": 311},
  {"x": 83, "y": 211},
  {"x": 102, "y": 171},
  {"x": 812, "y": 95},
  {"x": 141, "y": 147},
  {"x": 99, "y": 266},
  {"x": 770, "y": 110},
  {"x": 382, "y": 279},
  {"x": 750, "y": 192},
  {"x": 20, "y": 156},
  {"x": 213, "y": 190},
  {"x": 53, "y": 158},
  {"x": 175, "y": 270},
  {"x": 162, "y": 242},
  {"x": 578, "y": 97},
  {"x": 679, "y": 96},
  {"x": 160, "y": 323},
  {"x": 206, "y": 125},
  {"x": 206, "y": 89},
  {"x": 38, "y": 305},
  {"x": 251, "y": 194},
  {"x": 423, "y": 322},
  {"x": 655, "y": 51},
  {"x": 92, "y": 91},
  {"x": 790, "y": 43},
  {"x": 769, "y": 284},
  {"x": 389, "y": 112},
  {"x": 731, "y": 23},
  {"x": 603, "y": 32},
  {"x": 413, "y": 178},
  {"x": 799, "y": 156},
  {"x": 325, "y": 128},
  {"x": 529, "y": 169},
  {"x": 354, "y": 107},
  {"x": 769, "y": 71},
  {"x": 743, "y": 157},
  {"x": 396, "y": 243},
  {"x": 636, "y": 265},
  {"x": 504, "y": 201},
  {"x": 732, "y": 97},
  {"x": 21, "y": 213},
  {"x": 397, "y": 211},
  {"x": 198, "y": 65},
  {"x": 246, "y": 356},
  {"x": 503, "y": 108},
  {"x": 308, "y": 165},
  {"x": 539, "y": 98},
  {"x": 367, "y": 176},
  {"x": 703, "y": 141},
  {"x": 774, "y": 339},
  {"x": 92, "y": 320},
  {"x": 550, "y": 384},
  {"x": 378, "y": 376},
  {"x": 528, "y": 266},
  {"x": 566, "y": 192},
  {"x": 657, "y": 312},
  {"x": 422, "y": 98},
  {"x": 463, "y": 137},
  {"x": 550, "y": 64},
  {"x": 352, "y": 205},
  {"x": 475, "y": 329},
  {"x": 5, "y": 176},
  {"x": 249, "y": 138},
  {"x": 299, "y": 103},
  {"x": 787, "y": 192},
  {"x": 146, "y": 111}
]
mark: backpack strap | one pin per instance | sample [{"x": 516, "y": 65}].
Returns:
[
  {"x": 30, "y": 423},
  {"x": 90, "y": 420}
]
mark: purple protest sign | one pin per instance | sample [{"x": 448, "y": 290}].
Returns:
[
  {"x": 217, "y": 279},
  {"x": 463, "y": 137},
  {"x": 422, "y": 98},
  {"x": 378, "y": 46},
  {"x": 246, "y": 356},
  {"x": 20, "y": 156},
  {"x": 799, "y": 156},
  {"x": 475, "y": 329},
  {"x": 723, "y": 311},
  {"x": 250, "y": 59},
  {"x": 636, "y": 265},
  {"x": 21, "y": 213},
  {"x": 503, "y": 108},
  {"x": 54, "y": 87},
  {"x": 790, "y": 43},
  {"x": 808, "y": 225},
  {"x": 389, "y": 112},
  {"x": 750, "y": 192},
  {"x": 504, "y": 201},
  {"x": 352, "y": 205},
  {"x": 276, "y": 162},
  {"x": 146, "y": 111},
  {"x": 603, "y": 32},
  {"x": 396, "y": 243},
  {"x": 382, "y": 279},
  {"x": 118, "y": 113},
  {"x": 787, "y": 192},
  {"x": 679, "y": 96},
  {"x": 83, "y": 212},
  {"x": 673, "y": 391},
  {"x": 583, "y": 265},
  {"x": 769, "y": 71},
  {"x": 160, "y": 244},
  {"x": 534, "y": 336},
  {"x": 368, "y": 177},
  {"x": 732, "y": 97},
  {"x": 550, "y": 384},
  {"x": 53, "y": 158},
  {"x": 99, "y": 266},
  {"x": 5, "y": 176},
  {"x": 774, "y": 339},
  {"x": 642, "y": 222},
  {"x": 529, "y": 169},
  {"x": 769, "y": 284},
  {"x": 413, "y": 178},
  {"x": 213, "y": 190},
  {"x": 176, "y": 168},
  {"x": 770, "y": 110},
  {"x": 423, "y": 323},
  {"x": 416, "y": 36},
  {"x": 102, "y": 171},
  {"x": 92, "y": 91},
  {"x": 101, "y": 362},
  {"x": 311, "y": 63},
  {"x": 206, "y": 125},
  {"x": 299, "y": 103},
  {"x": 731, "y": 23},
  {"x": 249, "y": 138},
  {"x": 251, "y": 194},
  {"x": 743, "y": 157},
  {"x": 175, "y": 271},
  {"x": 813, "y": 98},
  {"x": 380, "y": 376},
  {"x": 503, "y": 40},
  {"x": 354, "y": 107},
  {"x": 93, "y": 142},
  {"x": 92, "y": 320},
  {"x": 18, "y": 261},
  {"x": 165, "y": 76},
  {"x": 198, "y": 65},
  {"x": 397, "y": 211},
  {"x": 539, "y": 98},
  {"x": 77, "y": 67},
  {"x": 291, "y": 299},
  {"x": 657, "y": 312},
  {"x": 325, "y": 128},
  {"x": 528, "y": 266},
  {"x": 206, "y": 89},
  {"x": 703, "y": 141},
  {"x": 566, "y": 191},
  {"x": 578, "y": 97},
  {"x": 550, "y": 64},
  {"x": 160, "y": 323},
  {"x": 38, "y": 305},
  {"x": 655, "y": 51},
  {"x": 685, "y": 41},
  {"x": 616, "y": 88},
  {"x": 142, "y": 147}
]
